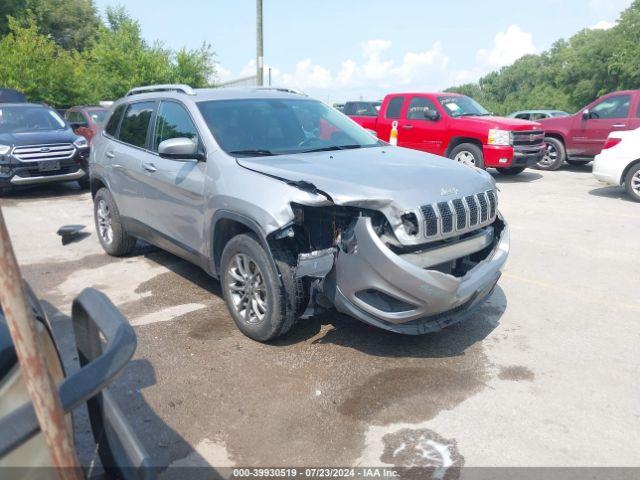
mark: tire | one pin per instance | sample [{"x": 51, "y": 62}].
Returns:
[
  {"x": 576, "y": 163},
  {"x": 632, "y": 182},
  {"x": 468, "y": 154},
  {"x": 554, "y": 156},
  {"x": 511, "y": 171},
  {"x": 112, "y": 235},
  {"x": 275, "y": 307}
]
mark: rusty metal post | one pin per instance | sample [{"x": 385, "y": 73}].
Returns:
[{"x": 42, "y": 390}]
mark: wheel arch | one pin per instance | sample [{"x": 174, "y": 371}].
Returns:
[
  {"x": 632, "y": 164},
  {"x": 455, "y": 141}
]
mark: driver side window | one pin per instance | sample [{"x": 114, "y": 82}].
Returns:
[
  {"x": 418, "y": 106},
  {"x": 173, "y": 121},
  {"x": 612, "y": 107}
]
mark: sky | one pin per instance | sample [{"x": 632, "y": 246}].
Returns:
[{"x": 358, "y": 49}]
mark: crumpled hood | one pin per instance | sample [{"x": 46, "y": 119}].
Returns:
[
  {"x": 390, "y": 179},
  {"x": 37, "y": 138}
]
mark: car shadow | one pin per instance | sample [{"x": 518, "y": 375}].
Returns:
[
  {"x": 577, "y": 168},
  {"x": 449, "y": 342},
  {"x": 614, "y": 192},
  {"x": 163, "y": 444},
  {"x": 524, "y": 177},
  {"x": 38, "y": 192}
]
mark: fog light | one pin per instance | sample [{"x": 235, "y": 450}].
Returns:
[{"x": 503, "y": 160}]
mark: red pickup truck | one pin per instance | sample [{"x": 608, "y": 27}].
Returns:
[
  {"x": 580, "y": 137},
  {"x": 456, "y": 126}
]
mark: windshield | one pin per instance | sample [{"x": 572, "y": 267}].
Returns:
[
  {"x": 98, "y": 115},
  {"x": 461, "y": 106},
  {"x": 19, "y": 119},
  {"x": 262, "y": 127}
]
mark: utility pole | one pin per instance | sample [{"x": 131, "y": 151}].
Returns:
[{"x": 259, "y": 52}]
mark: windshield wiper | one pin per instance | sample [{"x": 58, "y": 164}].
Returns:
[
  {"x": 332, "y": 148},
  {"x": 249, "y": 153}
]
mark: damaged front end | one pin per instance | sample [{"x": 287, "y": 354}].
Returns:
[{"x": 409, "y": 271}]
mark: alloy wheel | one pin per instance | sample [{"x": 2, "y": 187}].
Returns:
[
  {"x": 466, "y": 158},
  {"x": 105, "y": 230},
  {"x": 247, "y": 288},
  {"x": 635, "y": 183},
  {"x": 550, "y": 156}
]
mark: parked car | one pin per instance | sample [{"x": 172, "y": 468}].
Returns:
[
  {"x": 536, "y": 115},
  {"x": 619, "y": 162},
  {"x": 86, "y": 120},
  {"x": 296, "y": 208},
  {"x": 8, "y": 95},
  {"x": 105, "y": 343},
  {"x": 362, "y": 109},
  {"x": 339, "y": 106},
  {"x": 578, "y": 138},
  {"x": 38, "y": 146},
  {"x": 458, "y": 127}
]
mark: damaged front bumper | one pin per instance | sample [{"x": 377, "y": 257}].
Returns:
[{"x": 406, "y": 293}]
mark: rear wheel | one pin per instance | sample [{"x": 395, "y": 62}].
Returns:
[
  {"x": 632, "y": 182},
  {"x": 577, "y": 162},
  {"x": 554, "y": 156},
  {"x": 511, "y": 171},
  {"x": 262, "y": 307},
  {"x": 111, "y": 233},
  {"x": 468, "y": 154}
]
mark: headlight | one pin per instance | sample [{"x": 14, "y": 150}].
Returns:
[
  {"x": 4, "y": 149},
  {"x": 499, "y": 137},
  {"x": 81, "y": 142}
]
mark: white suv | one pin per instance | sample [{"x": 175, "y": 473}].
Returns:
[{"x": 619, "y": 162}]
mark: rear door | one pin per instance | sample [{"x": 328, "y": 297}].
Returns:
[
  {"x": 176, "y": 208},
  {"x": 417, "y": 131},
  {"x": 605, "y": 115}
]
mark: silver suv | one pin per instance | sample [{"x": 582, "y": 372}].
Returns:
[{"x": 296, "y": 208}]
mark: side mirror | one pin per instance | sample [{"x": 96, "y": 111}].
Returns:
[
  {"x": 179, "y": 149},
  {"x": 432, "y": 115},
  {"x": 586, "y": 114}
]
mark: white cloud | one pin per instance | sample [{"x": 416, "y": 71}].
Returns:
[
  {"x": 609, "y": 6},
  {"x": 307, "y": 74},
  {"x": 602, "y": 25},
  {"x": 508, "y": 46}
]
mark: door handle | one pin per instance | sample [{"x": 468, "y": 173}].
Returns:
[
  {"x": 619, "y": 125},
  {"x": 407, "y": 127},
  {"x": 149, "y": 167},
  {"x": 110, "y": 155}
]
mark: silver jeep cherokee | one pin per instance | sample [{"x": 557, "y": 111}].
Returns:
[{"x": 296, "y": 208}]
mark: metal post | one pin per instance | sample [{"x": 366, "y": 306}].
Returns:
[
  {"x": 43, "y": 392},
  {"x": 269, "y": 76},
  {"x": 259, "y": 52}
]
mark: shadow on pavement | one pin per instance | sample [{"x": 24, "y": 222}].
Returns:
[
  {"x": 618, "y": 193},
  {"x": 37, "y": 192},
  {"x": 524, "y": 177}
]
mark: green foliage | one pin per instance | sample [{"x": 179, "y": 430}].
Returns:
[
  {"x": 570, "y": 74},
  {"x": 114, "y": 58}
]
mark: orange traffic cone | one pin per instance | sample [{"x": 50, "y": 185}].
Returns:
[{"x": 393, "y": 137}]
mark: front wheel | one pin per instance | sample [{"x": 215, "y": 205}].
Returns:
[
  {"x": 468, "y": 154},
  {"x": 264, "y": 303},
  {"x": 511, "y": 171},
  {"x": 554, "y": 155},
  {"x": 632, "y": 182}
]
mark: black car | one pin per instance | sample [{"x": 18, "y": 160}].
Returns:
[{"x": 38, "y": 146}]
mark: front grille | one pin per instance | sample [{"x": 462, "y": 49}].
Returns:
[
  {"x": 528, "y": 138},
  {"x": 455, "y": 217},
  {"x": 37, "y": 153}
]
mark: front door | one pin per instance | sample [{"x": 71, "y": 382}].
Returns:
[
  {"x": 421, "y": 130},
  {"x": 176, "y": 210},
  {"x": 589, "y": 132}
]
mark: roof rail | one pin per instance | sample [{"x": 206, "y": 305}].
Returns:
[
  {"x": 283, "y": 89},
  {"x": 168, "y": 87}
]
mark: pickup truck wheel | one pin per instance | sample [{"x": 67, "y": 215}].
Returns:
[
  {"x": 468, "y": 154},
  {"x": 554, "y": 156},
  {"x": 511, "y": 171},
  {"x": 112, "y": 235},
  {"x": 632, "y": 182},
  {"x": 261, "y": 308},
  {"x": 577, "y": 162}
]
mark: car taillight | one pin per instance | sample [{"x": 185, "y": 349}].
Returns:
[{"x": 611, "y": 142}]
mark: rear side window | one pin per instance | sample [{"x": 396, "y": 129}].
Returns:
[
  {"x": 135, "y": 123},
  {"x": 173, "y": 121},
  {"x": 395, "y": 107},
  {"x": 114, "y": 120}
]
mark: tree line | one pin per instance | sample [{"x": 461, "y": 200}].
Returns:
[
  {"x": 571, "y": 74},
  {"x": 62, "y": 53}
]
